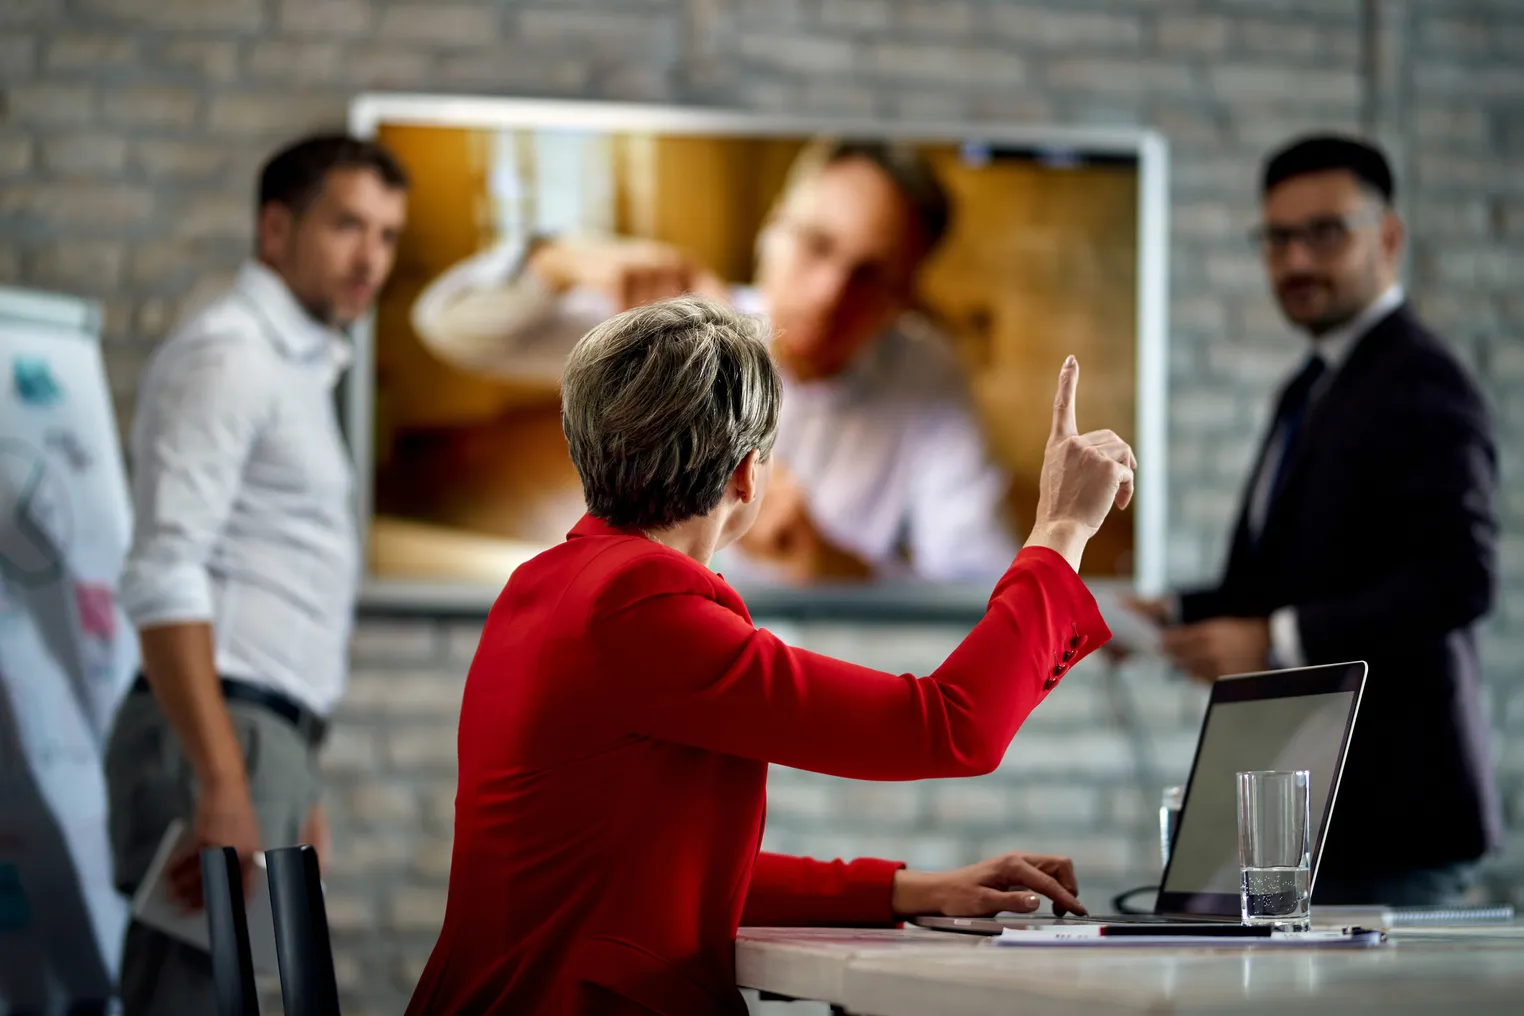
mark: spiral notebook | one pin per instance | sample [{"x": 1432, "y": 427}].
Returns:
[{"x": 1416, "y": 917}]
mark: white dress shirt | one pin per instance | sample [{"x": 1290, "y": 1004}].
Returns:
[
  {"x": 887, "y": 452},
  {"x": 1333, "y": 347},
  {"x": 243, "y": 491}
]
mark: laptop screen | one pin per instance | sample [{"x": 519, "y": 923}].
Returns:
[{"x": 1297, "y": 719}]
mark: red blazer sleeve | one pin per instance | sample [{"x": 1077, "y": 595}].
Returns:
[
  {"x": 790, "y": 891},
  {"x": 696, "y": 672}
]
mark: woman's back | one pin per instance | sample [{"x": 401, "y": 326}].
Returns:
[
  {"x": 614, "y": 736},
  {"x": 581, "y": 841}
]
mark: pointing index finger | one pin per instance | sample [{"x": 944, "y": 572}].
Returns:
[{"x": 1063, "y": 403}]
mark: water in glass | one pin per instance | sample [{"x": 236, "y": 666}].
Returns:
[{"x": 1278, "y": 896}]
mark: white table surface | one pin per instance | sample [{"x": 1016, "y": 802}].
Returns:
[{"x": 890, "y": 972}]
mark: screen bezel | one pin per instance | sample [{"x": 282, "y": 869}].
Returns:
[
  {"x": 1323, "y": 679},
  {"x": 897, "y": 601}
]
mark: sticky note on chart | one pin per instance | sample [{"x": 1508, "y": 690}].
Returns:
[{"x": 33, "y": 381}]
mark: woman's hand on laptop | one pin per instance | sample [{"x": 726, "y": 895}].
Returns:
[{"x": 1013, "y": 882}]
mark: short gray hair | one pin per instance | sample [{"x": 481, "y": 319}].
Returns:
[{"x": 661, "y": 403}]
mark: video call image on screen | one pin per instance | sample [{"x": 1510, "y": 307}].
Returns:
[
  {"x": 1300, "y": 732},
  {"x": 470, "y": 472}
]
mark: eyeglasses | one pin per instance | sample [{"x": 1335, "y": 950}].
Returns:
[{"x": 1322, "y": 236}]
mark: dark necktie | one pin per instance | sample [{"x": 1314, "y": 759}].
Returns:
[{"x": 1291, "y": 414}]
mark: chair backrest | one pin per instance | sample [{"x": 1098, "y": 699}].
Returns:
[
  {"x": 228, "y": 932},
  {"x": 302, "y": 947}
]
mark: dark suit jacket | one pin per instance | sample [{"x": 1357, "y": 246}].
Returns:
[
  {"x": 617, "y": 725},
  {"x": 1384, "y": 539}
]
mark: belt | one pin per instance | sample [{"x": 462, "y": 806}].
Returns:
[{"x": 309, "y": 724}]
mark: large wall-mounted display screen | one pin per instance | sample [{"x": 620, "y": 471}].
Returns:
[{"x": 923, "y": 287}]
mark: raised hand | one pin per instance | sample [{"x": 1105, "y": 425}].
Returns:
[{"x": 1083, "y": 476}]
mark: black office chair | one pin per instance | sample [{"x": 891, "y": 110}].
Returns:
[
  {"x": 302, "y": 947},
  {"x": 228, "y": 932}
]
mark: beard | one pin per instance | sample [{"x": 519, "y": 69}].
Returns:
[
  {"x": 325, "y": 310},
  {"x": 1319, "y": 304}
]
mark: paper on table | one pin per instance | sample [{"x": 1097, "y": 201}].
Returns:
[
  {"x": 155, "y": 905},
  {"x": 1129, "y": 630},
  {"x": 1094, "y": 935}
]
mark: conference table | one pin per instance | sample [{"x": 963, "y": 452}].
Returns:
[{"x": 913, "y": 971}]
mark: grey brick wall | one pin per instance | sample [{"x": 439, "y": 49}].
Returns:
[{"x": 129, "y": 135}]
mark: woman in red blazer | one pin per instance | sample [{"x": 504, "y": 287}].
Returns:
[{"x": 621, "y": 710}]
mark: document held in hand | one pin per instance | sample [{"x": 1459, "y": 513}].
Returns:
[
  {"x": 156, "y": 906},
  {"x": 1129, "y": 630}
]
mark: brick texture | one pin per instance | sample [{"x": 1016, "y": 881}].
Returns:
[
  {"x": 171, "y": 160},
  {"x": 15, "y": 156},
  {"x": 47, "y": 104},
  {"x": 453, "y": 24},
  {"x": 89, "y": 52},
  {"x": 131, "y": 130},
  {"x": 336, "y": 18},
  {"x": 199, "y": 60},
  {"x": 150, "y": 107},
  {"x": 84, "y": 155},
  {"x": 178, "y": 15}
]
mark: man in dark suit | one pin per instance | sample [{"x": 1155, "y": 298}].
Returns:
[{"x": 1368, "y": 531}]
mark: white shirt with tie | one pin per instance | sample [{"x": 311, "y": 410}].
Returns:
[
  {"x": 888, "y": 453},
  {"x": 1334, "y": 348},
  {"x": 243, "y": 491}
]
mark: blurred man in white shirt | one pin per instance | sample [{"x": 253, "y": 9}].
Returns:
[
  {"x": 882, "y": 471},
  {"x": 244, "y": 564}
]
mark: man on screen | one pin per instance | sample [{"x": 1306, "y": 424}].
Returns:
[{"x": 882, "y": 469}]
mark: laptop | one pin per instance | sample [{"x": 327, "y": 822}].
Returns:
[{"x": 1285, "y": 719}]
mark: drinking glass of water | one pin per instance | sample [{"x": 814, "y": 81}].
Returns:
[{"x": 1274, "y": 848}]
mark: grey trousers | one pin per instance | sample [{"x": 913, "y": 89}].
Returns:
[{"x": 149, "y": 784}]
